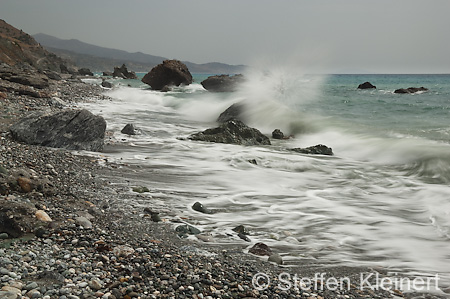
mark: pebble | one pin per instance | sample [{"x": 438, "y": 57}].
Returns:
[{"x": 43, "y": 216}]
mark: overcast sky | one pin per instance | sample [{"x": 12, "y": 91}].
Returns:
[{"x": 383, "y": 36}]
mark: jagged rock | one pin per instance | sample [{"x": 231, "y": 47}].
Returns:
[
  {"x": 233, "y": 132},
  {"x": 130, "y": 129},
  {"x": 366, "y": 85},
  {"x": 27, "y": 76},
  {"x": 319, "y": 149},
  {"x": 235, "y": 111},
  {"x": 107, "y": 74},
  {"x": 85, "y": 72},
  {"x": 122, "y": 72},
  {"x": 168, "y": 73},
  {"x": 223, "y": 83},
  {"x": 69, "y": 129},
  {"x": 410, "y": 90},
  {"x": 53, "y": 75},
  {"x": 260, "y": 249},
  {"x": 277, "y": 134}
]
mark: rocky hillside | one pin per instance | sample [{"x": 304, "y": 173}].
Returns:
[{"x": 19, "y": 48}]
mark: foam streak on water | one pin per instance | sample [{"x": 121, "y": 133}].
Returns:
[{"x": 382, "y": 200}]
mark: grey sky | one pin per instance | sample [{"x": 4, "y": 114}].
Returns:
[{"x": 384, "y": 36}]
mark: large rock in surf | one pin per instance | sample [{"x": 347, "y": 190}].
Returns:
[
  {"x": 85, "y": 72},
  {"x": 168, "y": 73},
  {"x": 319, "y": 149},
  {"x": 410, "y": 90},
  {"x": 366, "y": 85},
  {"x": 235, "y": 111},
  {"x": 233, "y": 132},
  {"x": 69, "y": 129},
  {"x": 122, "y": 72},
  {"x": 222, "y": 83}
]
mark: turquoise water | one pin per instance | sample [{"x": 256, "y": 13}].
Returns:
[{"x": 383, "y": 199}]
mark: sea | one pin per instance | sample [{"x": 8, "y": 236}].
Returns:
[{"x": 381, "y": 201}]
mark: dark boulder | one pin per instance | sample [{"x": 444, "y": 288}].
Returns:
[
  {"x": 223, "y": 83},
  {"x": 319, "y": 149},
  {"x": 107, "y": 74},
  {"x": 277, "y": 134},
  {"x": 168, "y": 73},
  {"x": 366, "y": 85},
  {"x": 106, "y": 84},
  {"x": 261, "y": 249},
  {"x": 199, "y": 207},
  {"x": 232, "y": 132},
  {"x": 235, "y": 111},
  {"x": 122, "y": 72},
  {"x": 28, "y": 77},
  {"x": 410, "y": 90},
  {"x": 69, "y": 129},
  {"x": 85, "y": 72},
  {"x": 130, "y": 129}
]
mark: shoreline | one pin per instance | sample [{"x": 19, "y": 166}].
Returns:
[{"x": 124, "y": 254}]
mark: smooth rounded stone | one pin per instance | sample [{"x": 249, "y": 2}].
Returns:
[
  {"x": 31, "y": 286},
  {"x": 200, "y": 208},
  {"x": 83, "y": 222},
  {"x": 4, "y": 271},
  {"x": 244, "y": 237},
  {"x": 240, "y": 229},
  {"x": 72, "y": 297},
  {"x": 12, "y": 275},
  {"x": 95, "y": 284},
  {"x": 8, "y": 295},
  {"x": 43, "y": 216},
  {"x": 260, "y": 249},
  {"x": 186, "y": 229},
  {"x": 11, "y": 289},
  {"x": 140, "y": 189},
  {"x": 34, "y": 294},
  {"x": 4, "y": 236},
  {"x": 275, "y": 258},
  {"x": 205, "y": 238}
]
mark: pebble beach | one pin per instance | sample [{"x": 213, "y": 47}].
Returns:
[{"x": 82, "y": 240}]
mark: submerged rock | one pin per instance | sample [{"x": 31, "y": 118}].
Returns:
[
  {"x": 222, "y": 83},
  {"x": 129, "y": 129},
  {"x": 319, "y": 149},
  {"x": 410, "y": 90},
  {"x": 232, "y": 132},
  {"x": 366, "y": 85},
  {"x": 69, "y": 129},
  {"x": 168, "y": 73},
  {"x": 235, "y": 111}
]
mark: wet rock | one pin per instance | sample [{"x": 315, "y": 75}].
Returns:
[
  {"x": 205, "y": 238},
  {"x": 200, "y": 208},
  {"x": 366, "y": 85},
  {"x": 235, "y": 111},
  {"x": 253, "y": 161},
  {"x": 130, "y": 129},
  {"x": 168, "y": 73},
  {"x": 69, "y": 129},
  {"x": 410, "y": 90},
  {"x": 244, "y": 237},
  {"x": 275, "y": 258},
  {"x": 122, "y": 72},
  {"x": 277, "y": 134},
  {"x": 240, "y": 229},
  {"x": 232, "y": 132},
  {"x": 186, "y": 229},
  {"x": 260, "y": 249},
  {"x": 42, "y": 216},
  {"x": 107, "y": 74},
  {"x": 319, "y": 149},
  {"x": 140, "y": 189},
  {"x": 223, "y": 83},
  {"x": 85, "y": 72},
  {"x": 106, "y": 84}
]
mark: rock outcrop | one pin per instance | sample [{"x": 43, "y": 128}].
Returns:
[
  {"x": 24, "y": 76},
  {"x": 366, "y": 85},
  {"x": 277, "y": 134},
  {"x": 69, "y": 129},
  {"x": 122, "y": 72},
  {"x": 319, "y": 149},
  {"x": 235, "y": 111},
  {"x": 85, "y": 72},
  {"x": 223, "y": 83},
  {"x": 169, "y": 73},
  {"x": 410, "y": 90},
  {"x": 232, "y": 132}
]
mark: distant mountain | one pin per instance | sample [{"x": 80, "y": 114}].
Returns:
[
  {"x": 105, "y": 59},
  {"x": 19, "y": 48}
]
